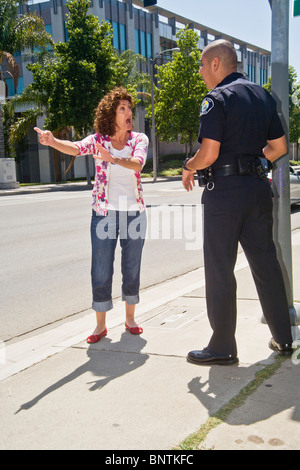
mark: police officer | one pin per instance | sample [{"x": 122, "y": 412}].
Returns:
[{"x": 238, "y": 125}]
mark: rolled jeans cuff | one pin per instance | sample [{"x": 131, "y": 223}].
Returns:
[
  {"x": 102, "y": 306},
  {"x": 131, "y": 299}
]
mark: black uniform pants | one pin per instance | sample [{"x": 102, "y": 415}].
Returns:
[{"x": 239, "y": 209}]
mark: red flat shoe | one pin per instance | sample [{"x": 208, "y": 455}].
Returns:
[
  {"x": 136, "y": 330},
  {"x": 95, "y": 338}
]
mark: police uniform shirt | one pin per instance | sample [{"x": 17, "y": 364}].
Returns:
[{"x": 242, "y": 116}]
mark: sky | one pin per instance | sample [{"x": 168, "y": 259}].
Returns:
[{"x": 249, "y": 20}]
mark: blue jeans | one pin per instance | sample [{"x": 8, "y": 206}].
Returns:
[{"x": 130, "y": 227}]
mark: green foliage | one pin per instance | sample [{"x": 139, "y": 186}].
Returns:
[
  {"x": 19, "y": 33},
  {"x": 169, "y": 165},
  {"x": 180, "y": 92},
  {"x": 68, "y": 85},
  {"x": 84, "y": 69},
  {"x": 127, "y": 73},
  {"x": 81, "y": 73}
]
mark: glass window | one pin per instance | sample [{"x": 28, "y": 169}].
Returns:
[
  {"x": 123, "y": 37},
  {"x": 10, "y": 85},
  {"x": 116, "y": 39},
  {"x": 66, "y": 32},
  {"x": 137, "y": 41},
  {"x": 20, "y": 85},
  {"x": 263, "y": 76},
  {"x": 11, "y": 88},
  {"x": 48, "y": 28},
  {"x": 251, "y": 72},
  {"x": 149, "y": 45},
  {"x": 143, "y": 43}
]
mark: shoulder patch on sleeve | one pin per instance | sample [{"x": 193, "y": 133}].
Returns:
[{"x": 206, "y": 106}]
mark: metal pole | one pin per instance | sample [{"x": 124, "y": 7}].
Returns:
[
  {"x": 153, "y": 133},
  {"x": 281, "y": 173}
]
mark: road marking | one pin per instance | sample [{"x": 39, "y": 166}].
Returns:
[{"x": 6, "y": 201}]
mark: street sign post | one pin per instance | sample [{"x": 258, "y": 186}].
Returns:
[{"x": 281, "y": 176}]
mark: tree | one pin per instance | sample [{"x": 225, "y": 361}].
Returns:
[
  {"x": 180, "y": 92},
  {"x": 294, "y": 106},
  {"x": 35, "y": 99},
  {"x": 80, "y": 74},
  {"x": 127, "y": 71},
  {"x": 69, "y": 86},
  {"x": 15, "y": 129},
  {"x": 18, "y": 34}
]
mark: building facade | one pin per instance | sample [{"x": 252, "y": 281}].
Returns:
[{"x": 147, "y": 31}]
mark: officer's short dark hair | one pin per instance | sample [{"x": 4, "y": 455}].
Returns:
[{"x": 224, "y": 50}]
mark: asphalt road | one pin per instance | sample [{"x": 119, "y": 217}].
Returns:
[{"x": 45, "y": 252}]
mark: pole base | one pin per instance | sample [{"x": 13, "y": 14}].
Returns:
[{"x": 295, "y": 314}]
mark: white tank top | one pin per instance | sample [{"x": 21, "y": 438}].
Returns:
[{"x": 121, "y": 190}]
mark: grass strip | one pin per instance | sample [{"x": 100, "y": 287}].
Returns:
[{"x": 193, "y": 441}]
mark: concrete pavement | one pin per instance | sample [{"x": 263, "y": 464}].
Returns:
[{"x": 139, "y": 393}]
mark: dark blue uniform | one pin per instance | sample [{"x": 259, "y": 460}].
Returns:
[{"x": 241, "y": 116}]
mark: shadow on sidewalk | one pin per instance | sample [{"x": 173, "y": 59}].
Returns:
[
  {"x": 274, "y": 395},
  {"x": 124, "y": 357}
]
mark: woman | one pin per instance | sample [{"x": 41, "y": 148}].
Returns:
[{"x": 118, "y": 205}]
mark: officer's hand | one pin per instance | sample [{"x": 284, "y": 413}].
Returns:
[
  {"x": 188, "y": 180},
  {"x": 45, "y": 137}
]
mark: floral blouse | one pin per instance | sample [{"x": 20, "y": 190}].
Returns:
[{"x": 137, "y": 146}]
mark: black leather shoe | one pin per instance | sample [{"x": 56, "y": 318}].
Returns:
[
  {"x": 207, "y": 357},
  {"x": 281, "y": 349}
]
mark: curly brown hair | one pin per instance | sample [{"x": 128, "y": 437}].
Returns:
[{"x": 105, "y": 117}]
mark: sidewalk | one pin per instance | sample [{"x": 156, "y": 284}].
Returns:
[
  {"x": 136, "y": 393},
  {"x": 46, "y": 188},
  {"x": 139, "y": 393},
  {"x": 68, "y": 186}
]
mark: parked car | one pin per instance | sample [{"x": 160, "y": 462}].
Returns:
[{"x": 294, "y": 184}]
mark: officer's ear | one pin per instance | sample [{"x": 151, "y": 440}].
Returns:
[{"x": 216, "y": 63}]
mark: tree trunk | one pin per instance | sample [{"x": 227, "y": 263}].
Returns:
[
  {"x": 56, "y": 159},
  {"x": 87, "y": 169},
  {"x": 191, "y": 145}
]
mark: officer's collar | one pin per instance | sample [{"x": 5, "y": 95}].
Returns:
[{"x": 230, "y": 78}]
